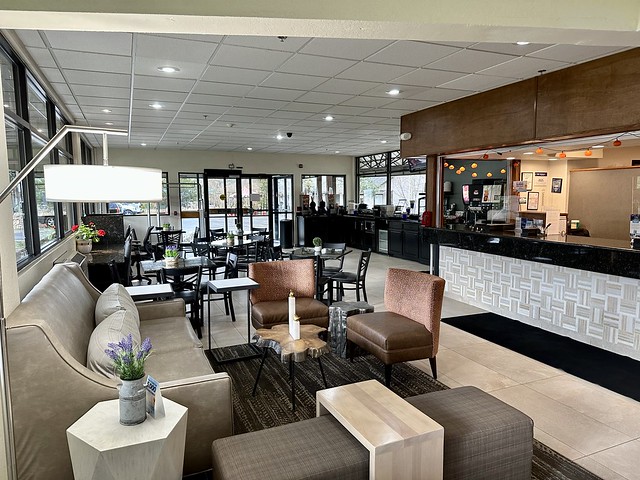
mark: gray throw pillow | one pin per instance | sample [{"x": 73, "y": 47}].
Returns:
[{"x": 115, "y": 298}]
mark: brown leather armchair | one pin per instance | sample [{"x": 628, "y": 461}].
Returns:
[
  {"x": 409, "y": 329},
  {"x": 269, "y": 302}
]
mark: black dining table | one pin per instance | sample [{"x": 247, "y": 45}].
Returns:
[
  {"x": 324, "y": 254},
  {"x": 155, "y": 266}
]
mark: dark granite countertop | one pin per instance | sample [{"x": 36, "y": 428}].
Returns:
[{"x": 614, "y": 257}]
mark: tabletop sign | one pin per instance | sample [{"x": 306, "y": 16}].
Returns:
[{"x": 155, "y": 407}]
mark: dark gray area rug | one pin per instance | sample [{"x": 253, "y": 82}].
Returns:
[{"x": 271, "y": 405}]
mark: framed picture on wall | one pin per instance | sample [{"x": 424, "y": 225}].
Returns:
[
  {"x": 533, "y": 199},
  {"x": 556, "y": 185},
  {"x": 527, "y": 178}
]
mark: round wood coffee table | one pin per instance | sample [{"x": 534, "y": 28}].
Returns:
[{"x": 290, "y": 350}]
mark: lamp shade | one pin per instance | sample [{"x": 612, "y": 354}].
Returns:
[{"x": 102, "y": 183}]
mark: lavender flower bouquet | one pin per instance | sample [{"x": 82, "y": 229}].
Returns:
[{"x": 128, "y": 359}]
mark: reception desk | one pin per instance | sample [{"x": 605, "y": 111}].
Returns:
[{"x": 581, "y": 287}]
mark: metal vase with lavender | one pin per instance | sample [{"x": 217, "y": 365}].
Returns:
[{"x": 128, "y": 360}]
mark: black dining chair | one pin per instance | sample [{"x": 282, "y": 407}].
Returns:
[
  {"x": 139, "y": 252},
  {"x": 357, "y": 279},
  {"x": 230, "y": 271},
  {"x": 185, "y": 283},
  {"x": 122, "y": 275},
  {"x": 334, "y": 266}
]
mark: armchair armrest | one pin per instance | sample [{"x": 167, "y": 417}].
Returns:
[{"x": 163, "y": 309}]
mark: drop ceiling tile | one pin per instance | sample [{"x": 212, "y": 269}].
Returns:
[
  {"x": 384, "y": 113},
  {"x": 228, "y": 89},
  {"x": 42, "y": 57},
  {"x": 202, "y": 99},
  {"x": 149, "y": 66},
  {"x": 292, "y": 81},
  {"x": 440, "y": 94},
  {"x": 163, "y": 83},
  {"x": 347, "y": 110},
  {"x": 375, "y": 72},
  {"x": 53, "y": 75},
  {"x": 338, "y": 85},
  {"x": 102, "y": 102},
  {"x": 84, "y": 77},
  {"x": 172, "y": 51},
  {"x": 574, "y": 53},
  {"x": 242, "y": 57},
  {"x": 93, "y": 61},
  {"x": 62, "y": 89},
  {"x": 320, "y": 97},
  {"x": 243, "y": 76},
  {"x": 523, "y": 67},
  {"x": 508, "y": 48},
  {"x": 30, "y": 38},
  {"x": 166, "y": 106},
  {"x": 427, "y": 78},
  {"x": 260, "y": 103},
  {"x": 284, "y": 114},
  {"x": 344, "y": 48},
  {"x": 256, "y": 113},
  {"x": 365, "y": 101},
  {"x": 477, "y": 83},
  {"x": 153, "y": 95},
  {"x": 102, "y": 92},
  {"x": 412, "y": 54},
  {"x": 314, "y": 65},
  {"x": 469, "y": 61},
  {"x": 274, "y": 93},
  {"x": 411, "y": 105},
  {"x": 195, "y": 110},
  {"x": 290, "y": 44},
  {"x": 94, "y": 42}
]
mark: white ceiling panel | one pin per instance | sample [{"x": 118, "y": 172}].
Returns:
[
  {"x": 347, "y": 110},
  {"x": 42, "y": 57},
  {"x": 321, "y": 97},
  {"x": 153, "y": 95},
  {"x": 374, "y": 72},
  {"x": 103, "y": 102},
  {"x": 260, "y": 103},
  {"x": 93, "y": 42},
  {"x": 427, "y": 78},
  {"x": 305, "y": 107},
  {"x": 342, "y": 48},
  {"x": 524, "y": 67},
  {"x": 274, "y": 93},
  {"x": 149, "y": 66},
  {"x": 172, "y": 51},
  {"x": 412, "y": 54},
  {"x": 242, "y": 57},
  {"x": 477, "y": 83},
  {"x": 293, "y": 81},
  {"x": 202, "y": 99},
  {"x": 99, "y": 91},
  {"x": 31, "y": 38},
  {"x": 339, "y": 85},
  {"x": 370, "y": 102},
  {"x": 93, "y": 61},
  {"x": 62, "y": 88},
  {"x": 411, "y": 105},
  {"x": 508, "y": 48},
  {"x": 578, "y": 53},
  {"x": 84, "y": 77},
  {"x": 228, "y": 89},
  {"x": 284, "y": 114},
  {"x": 469, "y": 61},
  {"x": 440, "y": 94},
  {"x": 289, "y": 44},
  {"x": 314, "y": 65},
  {"x": 163, "y": 83},
  {"x": 243, "y": 76}
]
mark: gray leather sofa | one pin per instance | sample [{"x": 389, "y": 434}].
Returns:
[{"x": 49, "y": 336}]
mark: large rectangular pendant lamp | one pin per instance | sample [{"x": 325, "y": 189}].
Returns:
[{"x": 102, "y": 183}]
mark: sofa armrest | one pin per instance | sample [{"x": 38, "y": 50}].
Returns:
[
  {"x": 210, "y": 415},
  {"x": 161, "y": 309}
]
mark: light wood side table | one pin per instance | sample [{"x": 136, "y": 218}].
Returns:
[
  {"x": 103, "y": 449},
  {"x": 403, "y": 442}
]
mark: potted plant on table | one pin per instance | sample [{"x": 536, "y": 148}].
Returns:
[
  {"x": 171, "y": 256},
  {"x": 317, "y": 245},
  {"x": 86, "y": 236},
  {"x": 230, "y": 239},
  {"x": 128, "y": 362}
]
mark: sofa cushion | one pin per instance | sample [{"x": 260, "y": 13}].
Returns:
[
  {"x": 111, "y": 330},
  {"x": 171, "y": 333},
  {"x": 177, "y": 364},
  {"x": 115, "y": 298}
]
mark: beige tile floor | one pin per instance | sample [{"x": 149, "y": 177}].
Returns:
[{"x": 591, "y": 425}]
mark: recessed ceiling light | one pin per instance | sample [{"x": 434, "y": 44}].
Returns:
[
  {"x": 279, "y": 137},
  {"x": 155, "y": 105},
  {"x": 168, "y": 69},
  {"x": 383, "y": 141},
  {"x": 528, "y": 153},
  {"x": 328, "y": 118},
  {"x": 108, "y": 123},
  {"x": 521, "y": 43},
  {"x": 6, "y": 106},
  {"x": 40, "y": 130},
  {"x": 393, "y": 91},
  {"x": 598, "y": 146},
  {"x": 106, "y": 110},
  {"x": 337, "y": 151},
  {"x": 143, "y": 144},
  {"x": 249, "y": 148},
  {"x": 511, "y": 158}
]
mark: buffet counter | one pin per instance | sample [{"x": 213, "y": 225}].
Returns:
[{"x": 580, "y": 287}]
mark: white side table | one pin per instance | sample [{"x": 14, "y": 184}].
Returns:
[{"x": 103, "y": 449}]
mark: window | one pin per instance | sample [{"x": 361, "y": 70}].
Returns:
[
  {"x": 8, "y": 83},
  {"x": 138, "y": 208},
  {"x": 46, "y": 211},
  {"x": 18, "y": 196},
  {"x": 327, "y": 188},
  {"x": 37, "y": 108},
  {"x": 386, "y": 179}
]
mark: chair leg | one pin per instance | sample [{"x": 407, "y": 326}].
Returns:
[
  {"x": 387, "y": 375},
  {"x": 233, "y": 313},
  {"x": 357, "y": 292},
  {"x": 364, "y": 292},
  {"x": 351, "y": 349},
  {"x": 434, "y": 369}
]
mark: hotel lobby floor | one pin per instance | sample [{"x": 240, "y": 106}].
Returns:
[{"x": 591, "y": 425}]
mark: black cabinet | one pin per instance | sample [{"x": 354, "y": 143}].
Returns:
[
  {"x": 360, "y": 232},
  {"x": 329, "y": 229},
  {"x": 425, "y": 247},
  {"x": 405, "y": 241}
]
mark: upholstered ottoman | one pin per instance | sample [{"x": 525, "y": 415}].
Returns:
[{"x": 484, "y": 438}]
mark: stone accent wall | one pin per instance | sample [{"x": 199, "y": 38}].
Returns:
[{"x": 598, "y": 309}]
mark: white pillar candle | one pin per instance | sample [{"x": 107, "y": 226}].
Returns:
[
  {"x": 296, "y": 328},
  {"x": 292, "y": 311}
]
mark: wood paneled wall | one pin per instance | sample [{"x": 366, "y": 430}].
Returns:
[{"x": 597, "y": 97}]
